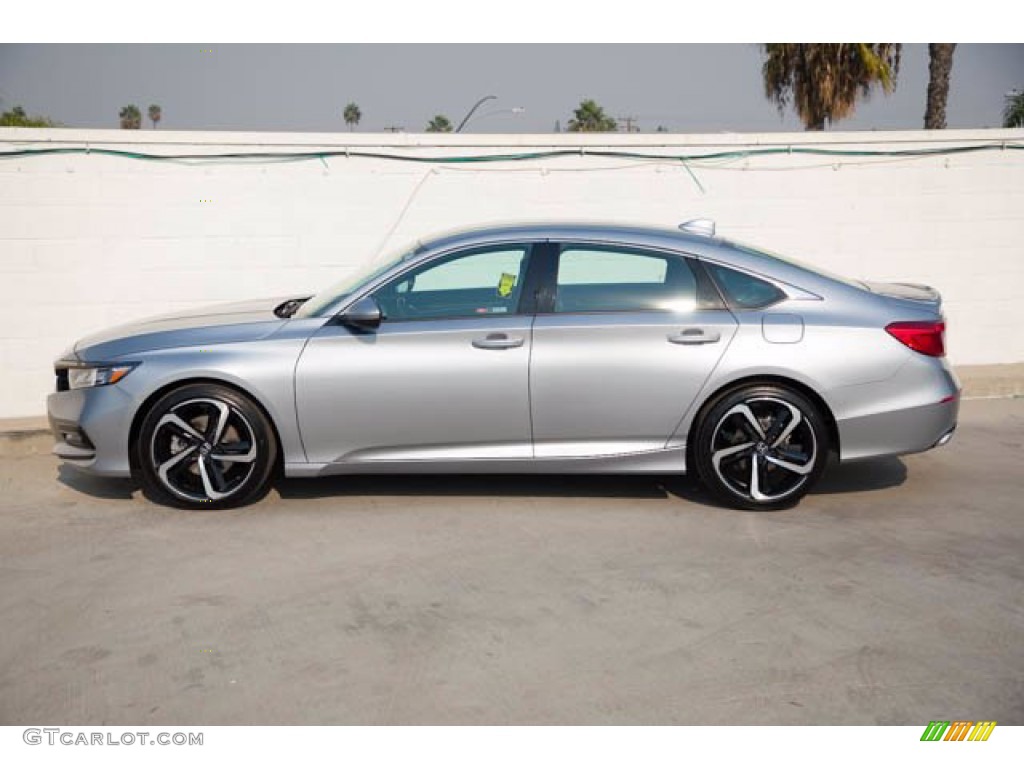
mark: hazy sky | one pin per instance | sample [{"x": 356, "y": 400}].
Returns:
[{"x": 687, "y": 87}]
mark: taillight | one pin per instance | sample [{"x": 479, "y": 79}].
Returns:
[{"x": 926, "y": 338}]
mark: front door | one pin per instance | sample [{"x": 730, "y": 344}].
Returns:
[{"x": 444, "y": 377}]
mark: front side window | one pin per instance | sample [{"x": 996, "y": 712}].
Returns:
[
  {"x": 599, "y": 279},
  {"x": 466, "y": 284}
]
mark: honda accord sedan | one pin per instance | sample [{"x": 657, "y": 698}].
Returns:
[{"x": 549, "y": 348}]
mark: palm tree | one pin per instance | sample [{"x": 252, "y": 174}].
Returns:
[
  {"x": 352, "y": 115},
  {"x": 1013, "y": 112},
  {"x": 131, "y": 117},
  {"x": 155, "y": 113},
  {"x": 440, "y": 124},
  {"x": 589, "y": 117},
  {"x": 823, "y": 80},
  {"x": 940, "y": 64}
]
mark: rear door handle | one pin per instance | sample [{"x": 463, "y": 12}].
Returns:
[
  {"x": 694, "y": 336},
  {"x": 498, "y": 341}
]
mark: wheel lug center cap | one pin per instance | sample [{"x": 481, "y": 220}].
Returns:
[
  {"x": 205, "y": 449},
  {"x": 761, "y": 448}
]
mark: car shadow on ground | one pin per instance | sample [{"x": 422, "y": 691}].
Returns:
[
  {"x": 867, "y": 475},
  {"x": 871, "y": 475},
  {"x": 557, "y": 486},
  {"x": 97, "y": 487}
]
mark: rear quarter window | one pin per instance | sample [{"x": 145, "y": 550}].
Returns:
[{"x": 743, "y": 291}]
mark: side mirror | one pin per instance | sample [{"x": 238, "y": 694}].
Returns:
[{"x": 365, "y": 315}]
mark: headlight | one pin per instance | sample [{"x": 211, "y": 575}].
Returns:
[{"x": 98, "y": 376}]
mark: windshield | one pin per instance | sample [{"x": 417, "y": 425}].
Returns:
[
  {"x": 356, "y": 278},
  {"x": 796, "y": 263}
]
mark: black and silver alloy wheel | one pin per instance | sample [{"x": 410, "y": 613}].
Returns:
[
  {"x": 205, "y": 445},
  {"x": 761, "y": 447}
]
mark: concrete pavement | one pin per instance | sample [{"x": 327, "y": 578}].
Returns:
[{"x": 894, "y": 594}]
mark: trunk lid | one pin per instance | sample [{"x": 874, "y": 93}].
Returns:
[{"x": 924, "y": 294}]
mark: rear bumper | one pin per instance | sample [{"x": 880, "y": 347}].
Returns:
[
  {"x": 894, "y": 433},
  {"x": 914, "y": 411}
]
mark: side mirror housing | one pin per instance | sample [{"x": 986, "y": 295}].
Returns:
[{"x": 364, "y": 315}]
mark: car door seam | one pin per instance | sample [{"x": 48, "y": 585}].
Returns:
[
  {"x": 694, "y": 403},
  {"x": 529, "y": 386}
]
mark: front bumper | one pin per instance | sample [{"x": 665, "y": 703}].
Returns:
[{"x": 91, "y": 427}]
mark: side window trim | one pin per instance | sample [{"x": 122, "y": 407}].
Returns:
[
  {"x": 538, "y": 295},
  {"x": 709, "y": 296}
]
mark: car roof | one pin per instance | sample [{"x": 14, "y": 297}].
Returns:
[
  {"x": 635, "y": 234},
  {"x": 728, "y": 252}
]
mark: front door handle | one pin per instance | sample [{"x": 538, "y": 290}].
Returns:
[
  {"x": 498, "y": 341},
  {"x": 694, "y": 336}
]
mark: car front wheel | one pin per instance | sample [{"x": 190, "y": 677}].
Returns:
[
  {"x": 761, "y": 447},
  {"x": 203, "y": 446}
]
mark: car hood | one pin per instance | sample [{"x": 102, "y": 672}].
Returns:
[{"x": 217, "y": 324}]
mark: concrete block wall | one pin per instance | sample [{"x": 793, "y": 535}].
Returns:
[{"x": 87, "y": 241}]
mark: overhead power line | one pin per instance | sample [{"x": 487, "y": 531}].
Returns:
[{"x": 581, "y": 151}]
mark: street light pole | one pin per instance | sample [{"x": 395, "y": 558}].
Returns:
[{"x": 474, "y": 109}]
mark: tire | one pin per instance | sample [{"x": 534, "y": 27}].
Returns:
[
  {"x": 205, "y": 446},
  {"x": 760, "y": 447}
]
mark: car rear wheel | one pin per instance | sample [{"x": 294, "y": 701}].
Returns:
[
  {"x": 761, "y": 447},
  {"x": 203, "y": 446}
]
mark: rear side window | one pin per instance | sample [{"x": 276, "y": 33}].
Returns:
[
  {"x": 743, "y": 291},
  {"x": 596, "y": 279}
]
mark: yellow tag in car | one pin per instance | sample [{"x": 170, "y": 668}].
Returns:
[{"x": 506, "y": 284}]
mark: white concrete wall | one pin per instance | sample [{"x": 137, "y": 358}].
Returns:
[{"x": 88, "y": 241}]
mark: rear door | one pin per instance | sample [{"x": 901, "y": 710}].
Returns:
[{"x": 624, "y": 340}]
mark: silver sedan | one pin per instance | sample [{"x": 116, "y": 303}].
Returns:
[{"x": 550, "y": 348}]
